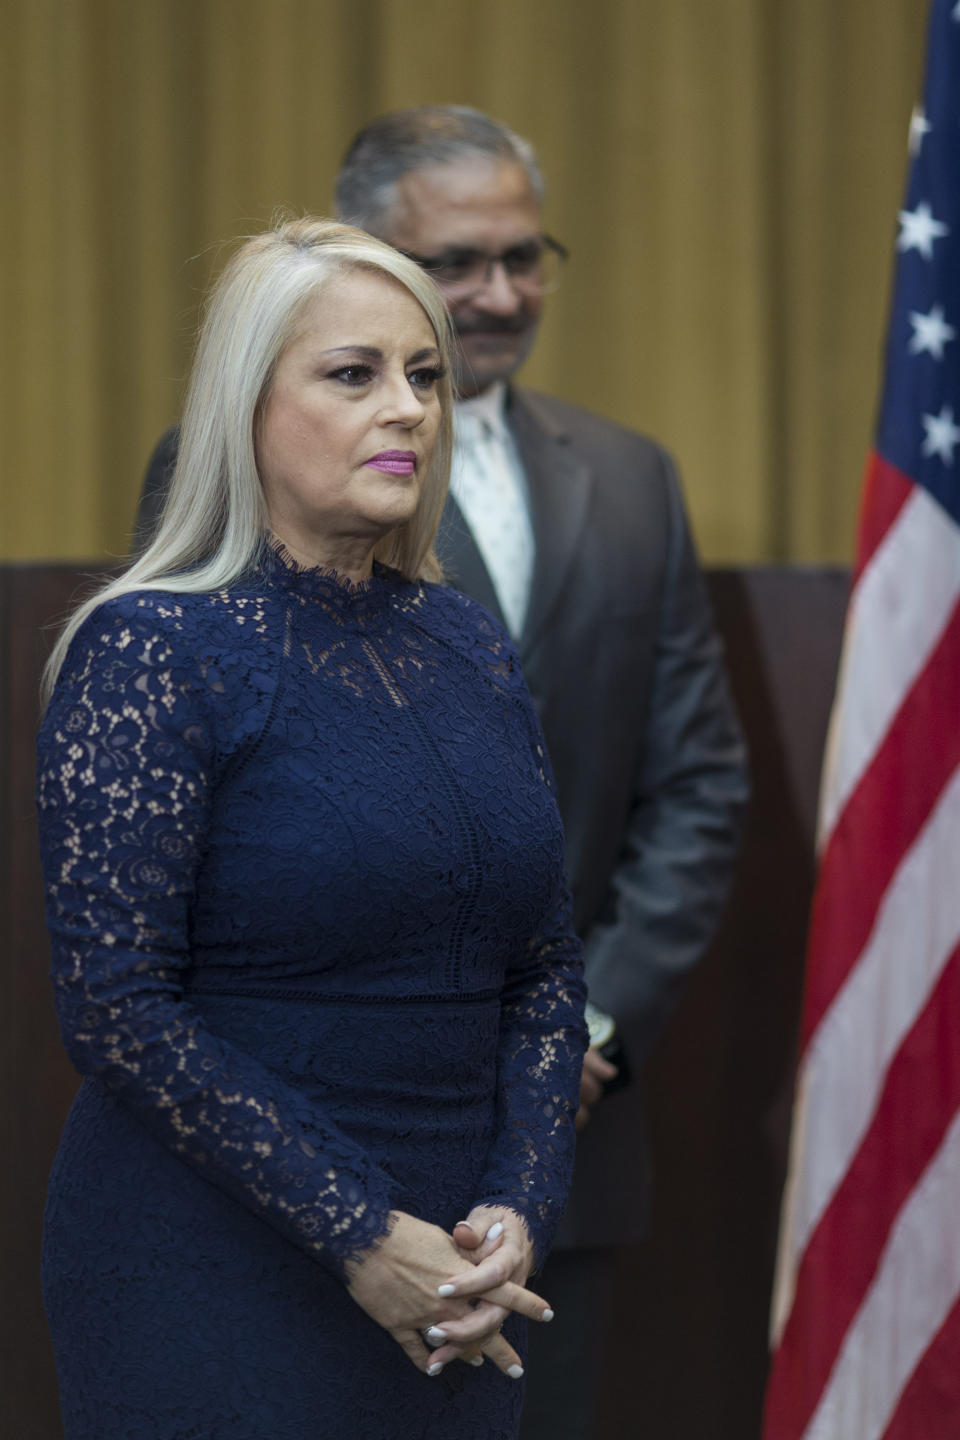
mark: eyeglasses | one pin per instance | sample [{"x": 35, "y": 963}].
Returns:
[{"x": 531, "y": 266}]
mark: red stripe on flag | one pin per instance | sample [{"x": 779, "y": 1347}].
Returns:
[
  {"x": 885, "y": 491},
  {"x": 880, "y": 822},
  {"x": 929, "y": 1408},
  {"x": 841, "y": 1259}
]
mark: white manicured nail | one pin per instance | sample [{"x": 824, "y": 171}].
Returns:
[
  {"x": 515, "y": 1372},
  {"x": 446, "y": 1290},
  {"x": 477, "y": 1360},
  {"x": 494, "y": 1231},
  {"x": 547, "y": 1315},
  {"x": 435, "y": 1368},
  {"x": 435, "y": 1335}
]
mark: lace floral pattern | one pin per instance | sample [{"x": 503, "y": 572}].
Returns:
[{"x": 311, "y": 937}]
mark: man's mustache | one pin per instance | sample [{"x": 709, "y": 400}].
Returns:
[{"x": 494, "y": 325}]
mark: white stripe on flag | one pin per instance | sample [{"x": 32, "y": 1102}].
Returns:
[
  {"x": 914, "y": 1290},
  {"x": 843, "y": 1070},
  {"x": 897, "y": 613}
]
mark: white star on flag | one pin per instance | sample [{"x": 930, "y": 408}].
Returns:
[
  {"x": 942, "y": 434},
  {"x": 919, "y": 126},
  {"x": 919, "y": 229},
  {"x": 930, "y": 332},
  {"x": 955, "y": 13}
]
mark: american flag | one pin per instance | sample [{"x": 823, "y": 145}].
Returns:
[{"x": 866, "y": 1308}]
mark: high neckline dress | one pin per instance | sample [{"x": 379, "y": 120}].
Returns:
[{"x": 312, "y": 953}]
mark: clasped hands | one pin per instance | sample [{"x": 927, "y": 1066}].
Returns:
[{"x": 450, "y": 1292}]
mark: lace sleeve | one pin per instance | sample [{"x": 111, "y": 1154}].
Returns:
[
  {"x": 541, "y": 1055},
  {"x": 129, "y": 756},
  {"x": 542, "y": 1042}
]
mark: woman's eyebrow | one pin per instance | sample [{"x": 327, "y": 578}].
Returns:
[{"x": 369, "y": 352}]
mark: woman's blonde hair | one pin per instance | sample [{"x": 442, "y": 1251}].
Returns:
[{"x": 214, "y": 521}]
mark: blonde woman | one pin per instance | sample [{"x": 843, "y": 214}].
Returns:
[{"x": 311, "y": 942}]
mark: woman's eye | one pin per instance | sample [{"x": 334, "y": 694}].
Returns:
[
  {"x": 426, "y": 377},
  {"x": 353, "y": 374}
]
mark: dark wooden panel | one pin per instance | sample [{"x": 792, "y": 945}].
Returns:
[
  {"x": 38, "y": 1081},
  {"x": 689, "y": 1358}
]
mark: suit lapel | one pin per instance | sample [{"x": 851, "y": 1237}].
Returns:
[
  {"x": 461, "y": 559},
  {"x": 559, "y": 483}
]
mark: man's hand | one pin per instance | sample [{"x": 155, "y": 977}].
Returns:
[{"x": 596, "y": 1073}]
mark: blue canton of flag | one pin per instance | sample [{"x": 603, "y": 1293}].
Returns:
[{"x": 919, "y": 428}]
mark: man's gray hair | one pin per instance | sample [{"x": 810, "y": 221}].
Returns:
[{"x": 404, "y": 140}]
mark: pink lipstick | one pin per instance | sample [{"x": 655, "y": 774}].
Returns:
[{"x": 394, "y": 462}]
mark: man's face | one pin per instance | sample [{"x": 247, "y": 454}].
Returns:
[{"x": 484, "y": 205}]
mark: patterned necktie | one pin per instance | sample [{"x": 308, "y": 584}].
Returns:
[{"x": 488, "y": 487}]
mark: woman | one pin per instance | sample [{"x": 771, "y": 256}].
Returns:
[{"x": 310, "y": 931}]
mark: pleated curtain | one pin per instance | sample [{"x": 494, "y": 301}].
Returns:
[{"x": 726, "y": 174}]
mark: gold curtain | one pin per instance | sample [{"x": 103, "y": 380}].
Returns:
[{"x": 726, "y": 173}]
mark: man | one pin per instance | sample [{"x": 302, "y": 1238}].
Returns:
[{"x": 573, "y": 531}]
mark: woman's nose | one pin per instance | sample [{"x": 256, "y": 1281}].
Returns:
[{"x": 403, "y": 404}]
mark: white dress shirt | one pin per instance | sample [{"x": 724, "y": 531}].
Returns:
[{"x": 488, "y": 484}]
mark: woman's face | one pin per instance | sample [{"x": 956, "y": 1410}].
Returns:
[{"x": 348, "y": 429}]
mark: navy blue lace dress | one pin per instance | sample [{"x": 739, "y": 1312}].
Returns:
[{"x": 312, "y": 953}]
